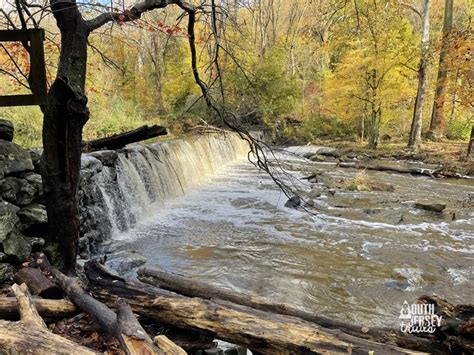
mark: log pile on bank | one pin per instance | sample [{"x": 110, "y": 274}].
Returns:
[{"x": 213, "y": 313}]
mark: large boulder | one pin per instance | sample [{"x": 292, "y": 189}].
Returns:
[
  {"x": 17, "y": 245},
  {"x": 6, "y": 130},
  {"x": 123, "y": 262},
  {"x": 90, "y": 166},
  {"x": 431, "y": 207},
  {"x": 36, "y": 157},
  {"x": 17, "y": 191},
  {"x": 328, "y": 151},
  {"x": 13, "y": 159},
  {"x": 33, "y": 215},
  {"x": 34, "y": 180},
  {"x": 107, "y": 157},
  {"x": 8, "y": 219}
]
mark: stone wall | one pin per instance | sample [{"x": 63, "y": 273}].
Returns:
[{"x": 23, "y": 219}]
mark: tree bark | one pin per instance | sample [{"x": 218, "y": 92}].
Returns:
[
  {"x": 64, "y": 119},
  {"x": 437, "y": 116},
  {"x": 260, "y": 331},
  {"x": 417, "y": 123}
]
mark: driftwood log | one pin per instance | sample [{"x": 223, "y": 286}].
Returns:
[
  {"x": 192, "y": 288},
  {"x": 260, "y": 331},
  {"x": 457, "y": 330},
  {"x": 433, "y": 173},
  {"x": 168, "y": 347},
  {"x": 118, "y": 141},
  {"x": 50, "y": 309},
  {"x": 30, "y": 334},
  {"x": 38, "y": 283},
  {"x": 123, "y": 325}
]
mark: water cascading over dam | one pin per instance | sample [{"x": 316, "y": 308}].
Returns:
[{"x": 118, "y": 189}]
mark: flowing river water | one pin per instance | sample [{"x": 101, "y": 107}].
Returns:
[{"x": 354, "y": 256}]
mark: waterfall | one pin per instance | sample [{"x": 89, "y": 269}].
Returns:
[{"x": 119, "y": 188}]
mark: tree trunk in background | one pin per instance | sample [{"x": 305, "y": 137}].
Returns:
[
  {"x": 416, "y": 125},
  {"x": 470, "y": 147},
  {"x": 64, "y": 119},
  {"x": 437, "y": 117}
]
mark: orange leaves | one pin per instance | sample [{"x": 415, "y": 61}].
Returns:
[{"x": 169, "y": 30}]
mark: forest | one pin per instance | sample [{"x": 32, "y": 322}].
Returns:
[
  {"x": 342, "y": 69},
  {"x": 236, "y": 177}
]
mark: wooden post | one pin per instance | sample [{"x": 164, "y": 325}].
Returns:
[{"x": 37, "y": 79}]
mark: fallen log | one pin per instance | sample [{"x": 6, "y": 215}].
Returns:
[
  {"x": 124, "y": 326},
  {"x": 120, "y": 140},
  {"x": 260, "y": 331},
  {"x": 192, "y": 288},
  {"x": 51, "y": 309},
  {"x": 30, "y": 335},
  {"x": 457, "y": 330},
  {"x": 168, "y": 347},
  {"x": 432, "y": 173},
  {"x": 37, "y": 283}
]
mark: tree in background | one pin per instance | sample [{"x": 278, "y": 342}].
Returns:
[
  {"x": 437, "y": 117},
  {"x": 414, "y": 140}
]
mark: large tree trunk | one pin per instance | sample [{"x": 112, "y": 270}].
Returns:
[
  {"x": 416, "y": 125},
  {"x": 64, "y": 119},
  {"x": 437, "y": 117},
  {"x": 120, "y": 140}
]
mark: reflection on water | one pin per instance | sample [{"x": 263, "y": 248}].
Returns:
[{"x": 356, "y": 258}]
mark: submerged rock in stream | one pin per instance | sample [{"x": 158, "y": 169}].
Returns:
[
  {"x": 431, "y": 207},
  {"x": 123, "y": 262}
]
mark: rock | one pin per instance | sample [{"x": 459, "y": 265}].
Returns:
[
  {"x": 6, "y": 272},
  {"x": 33, "y": 215},
  {"x": 107, "y": 157},
  {"x": 6, "y": 130},
  {"x": 37, "y": 244},
  {"x": 17, "y": 191},
  {"x": 36, "y": 156},
  {"x": 35, "y": 180},
  {"x": 17, "y": 245},
  {"x": 328, "y": 151},
  {"x": 124, "y": 261},
  {"x": 293, "y": 202},
  {"x": 13, "y": 159},
  {"x": 432, "y": 207},
  {"x": 90, "y": 166},
  {"x": 314, "y": 194},
  {"x": 317, "y": 158},
  {"x": 8, "y": 219}
]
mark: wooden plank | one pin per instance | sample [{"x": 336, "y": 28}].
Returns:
[
  {"x": 38, "y": 82},
  {"x": 14, "y": 35},
  {"x": 17, "y": 100},
  {"x": 38, "y": 68}
]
